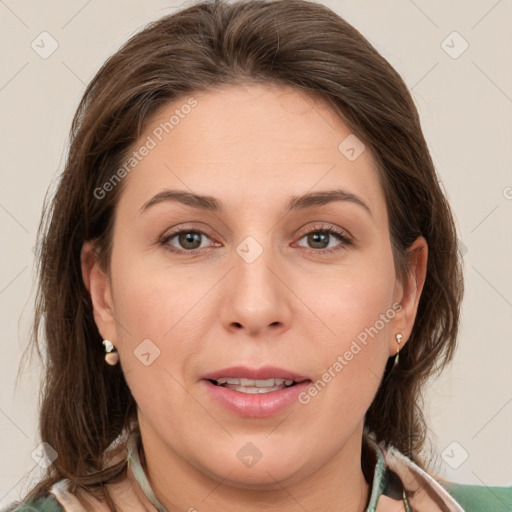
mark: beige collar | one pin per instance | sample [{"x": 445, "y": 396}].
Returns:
[{"x": 430, "y": 495}]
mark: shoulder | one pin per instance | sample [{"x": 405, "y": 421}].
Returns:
[
  {"x": 480, "y": 498},
  {"x": 46, "y": 503}
]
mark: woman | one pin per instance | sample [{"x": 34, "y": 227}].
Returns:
[{"x": 247, "y": 275}]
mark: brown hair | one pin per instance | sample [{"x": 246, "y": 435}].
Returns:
[{"x": 85, "y": 403}]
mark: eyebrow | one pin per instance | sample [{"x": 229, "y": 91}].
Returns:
[{"x": 209, "y": 203}]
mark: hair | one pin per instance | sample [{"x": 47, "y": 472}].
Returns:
[{"x": 84, "y": 403}]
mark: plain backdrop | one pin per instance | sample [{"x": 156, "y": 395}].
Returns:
[{"x": 454, "y": 57}]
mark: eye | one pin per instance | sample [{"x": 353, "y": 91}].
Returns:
[
  {"x": 189, "y": 240},
  {"x": 321, "y": 235}
]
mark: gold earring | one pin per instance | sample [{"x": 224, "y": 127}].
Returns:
[
  {"x": 110, "y": 357},
  {"x": 399, "y": 340}
]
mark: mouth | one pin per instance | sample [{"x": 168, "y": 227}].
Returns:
[
  {"x": 255, "y": 380},
  {"x": 253, "y": 386},
  {"x": 255, "y": 392}
]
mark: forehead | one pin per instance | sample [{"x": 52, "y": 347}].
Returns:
[{"x": 256, "y": 143}]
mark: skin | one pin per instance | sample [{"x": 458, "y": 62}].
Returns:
[{"x": 252, "y": 147}]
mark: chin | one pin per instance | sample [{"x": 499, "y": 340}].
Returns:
[
  {"x": 262, "y": 478},
  {"x": 250, "y": 469}
]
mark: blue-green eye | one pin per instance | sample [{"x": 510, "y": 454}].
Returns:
[{"x": 189, "y": 240}]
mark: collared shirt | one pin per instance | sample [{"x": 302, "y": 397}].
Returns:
[{"x": 391, "y": 474}]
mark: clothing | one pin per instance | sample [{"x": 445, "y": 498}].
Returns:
[{"x": 134, "y": 493}]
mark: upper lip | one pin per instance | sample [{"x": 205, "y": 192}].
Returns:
[{"x": 264, "y": 373}]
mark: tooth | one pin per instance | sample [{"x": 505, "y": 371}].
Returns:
[
  {"x": 246, "y": 389},
  {"x": 275, "y": 388},
  {"x": 255, "y": 390},
  {"x": 268, "y": 390},
  {"x": 266, "y": 383},
  {"x": 261, "y": 383}
]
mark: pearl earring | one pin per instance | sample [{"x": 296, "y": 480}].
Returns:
[
  {"x": 399, "y": 340},
  {"x": 110, "y": 357}
]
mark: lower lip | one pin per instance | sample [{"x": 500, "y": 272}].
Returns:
[{"x": 259, "y": 405}]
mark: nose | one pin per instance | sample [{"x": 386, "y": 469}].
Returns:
[{"x": 256, "y": 296}]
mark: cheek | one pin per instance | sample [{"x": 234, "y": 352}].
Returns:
[
  {"x": 353, "y": 297},
  {"x": 160, "y": 312},
  {"x": 357, "y": 306},
  {"x": 156, "y": 324},
  {"x": 349, "y": 372},
  {"x": 149, "y": 299}
]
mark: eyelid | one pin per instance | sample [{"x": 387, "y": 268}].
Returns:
[
  {"x": 322, "y": 226},
  {"x": 168, "y": 235}
]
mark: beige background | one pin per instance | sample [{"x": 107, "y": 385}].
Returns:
[{"x": 465, "y": 104}]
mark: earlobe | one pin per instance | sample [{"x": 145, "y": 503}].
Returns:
[
  {"x": 98, "y": 285},
  {"x": 411, "y": 289}
]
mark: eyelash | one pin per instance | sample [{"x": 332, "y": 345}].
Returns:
[{"x": 344, "y": 238}]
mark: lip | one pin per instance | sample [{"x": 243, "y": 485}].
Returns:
[
  {"x": 255, "y": 406},
  {"x": 249, "y": 405},
  {"x": 267, "y": 372}
]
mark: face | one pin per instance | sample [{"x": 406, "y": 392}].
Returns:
[{"x": 303, "y": 291}]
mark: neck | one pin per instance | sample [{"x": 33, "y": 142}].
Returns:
[{"x": 336, "y": 482}]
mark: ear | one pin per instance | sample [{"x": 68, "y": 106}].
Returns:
[
  {"x": 408, "y": 293},
  {"x": 98, "y": 285}
]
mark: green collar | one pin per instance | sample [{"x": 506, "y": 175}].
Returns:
[{"x": 384, "y": 482}]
